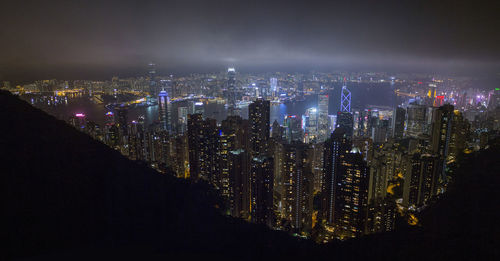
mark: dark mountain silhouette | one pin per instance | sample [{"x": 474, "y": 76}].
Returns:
[{"x": 68, "y": 197}]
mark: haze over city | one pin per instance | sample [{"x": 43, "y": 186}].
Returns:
[{"x": 100, "y": 39}]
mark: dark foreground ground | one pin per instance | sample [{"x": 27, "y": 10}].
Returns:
[{"x": 68, "y": 197}]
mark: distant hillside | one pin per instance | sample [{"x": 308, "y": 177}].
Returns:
[{"x": 68, "y": 197}]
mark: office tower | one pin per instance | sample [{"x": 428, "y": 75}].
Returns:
[
  {"x": 293, "y": 129},
  {"x": 163, "y": 107},
  {"x": 297, "y": 187},
  {"x": 441, "y": 129},
  {"x": 345, "y": 99},
  {"x": 332, "y": 123},
  {"x": 258, "y": 115},
  {"x": 351, "y": 196},
  {"x": 315, "y": 157},
  {"x": 380, "y": 130},
  {"x": 323, "y": 130},
  {"x": 153, "y": 85},
  {"x": 416, "y": 120},
  {"x": 357, "y": 123},
  {"x": 276, "y": 131},
  {"x": 273, "y": 82},
  {"x": 202, "y": 143},
  {"x": 398, "y": 123},
  {"x": 441, "y": 132},
  {"x": 262, "y": 181},
  {"x": 345, "y": 121},
  {"x": 310, "y": 125},
  {"x": 182, "y": 115},
  {"x": 459, "y": 135},
  {"x": 122, "y": 112},
  {"x": 231, "y": 90},
  {"x": 335, "y": 148}
]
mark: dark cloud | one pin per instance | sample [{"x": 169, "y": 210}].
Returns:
[{"x": 85, "y": 38}]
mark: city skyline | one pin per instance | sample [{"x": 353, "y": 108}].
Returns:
[{"x": 250, "y": 130}]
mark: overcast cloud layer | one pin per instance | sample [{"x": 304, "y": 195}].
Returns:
[{"x": 79, "y": 39}]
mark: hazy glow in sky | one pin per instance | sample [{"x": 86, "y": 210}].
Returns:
[{"x": 63, "y": 38}]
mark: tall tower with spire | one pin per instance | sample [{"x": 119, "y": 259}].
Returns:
[
  {"x": 231, "y": 91},
  {"x": 345, "y": 98}
]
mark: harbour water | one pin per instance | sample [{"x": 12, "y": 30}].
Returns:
[{"x": 365, "y": 94}]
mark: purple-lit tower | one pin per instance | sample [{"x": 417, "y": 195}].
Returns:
[
  {"x": 345, "y": 99},
  {"x": 163, "y": 101}
]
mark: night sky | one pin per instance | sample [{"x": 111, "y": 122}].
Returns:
[{"x": 89, "y": 39}]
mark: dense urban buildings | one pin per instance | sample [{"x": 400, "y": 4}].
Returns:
[{"x": 299, "y": 153}]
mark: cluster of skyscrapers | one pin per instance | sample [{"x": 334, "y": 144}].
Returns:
[{"x": 320, "y": 176}]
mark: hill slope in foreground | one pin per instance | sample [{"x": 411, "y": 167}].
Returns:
[{"x": 67, "y": 196}]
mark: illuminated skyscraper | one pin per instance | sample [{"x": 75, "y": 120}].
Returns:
[
  {"x": 153, "y": 85},
  {"x": 310, "y": 125},
  {"x": 203, "y": 143},
  {"x": 297, "y": 183},
  {"x": 274, "y": 86},
  {"x": 122, "y": 112},
  {"x": 259, "y": 117},
  {"x": 335, "y": 148},
  {"x": 239, "y": 180},
  {"x": 459, "y": 134},
  {"x": 351, "y": 196},
  {"x": 233, "y": 163},
  {"x": 277, "y": 131},
  {"x": 262, "y": 187},
  {"x": 441, "y": 133},
  {"x": 416, "y": 120},
  {"x": 323, "y": 130},
  {"x": 231, "y": 91},
  {"x": 195, "y": 135},
  {"x": 441, "y": 129},
  {"x": 398, "y": 123},
  {"x": 163, "y": 107},
  {"x": 345, "y": 99}
]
